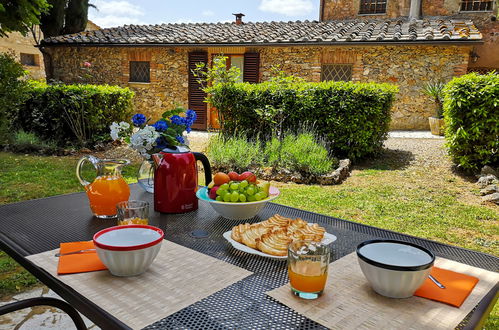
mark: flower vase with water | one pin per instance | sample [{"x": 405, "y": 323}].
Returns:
[{"x": 108, "y": 188}]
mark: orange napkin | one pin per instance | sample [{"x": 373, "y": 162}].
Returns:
[
  {"x": 457, "y": 287},
  {"x": 81, "y": 262}
]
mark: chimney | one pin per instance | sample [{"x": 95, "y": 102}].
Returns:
[
  {"x": 415, "y": 10},
  {"x": 239, "y": 18}
]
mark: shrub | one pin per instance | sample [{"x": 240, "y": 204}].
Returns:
[
  {"x": 297, "y": 153},
  {"x": 12, "y": 93},
  {"x": 301, "y": 153},
  {"x": 69, "y": 114},
  {"x": 471, "y": 112},
  {"x": 236, "y": 153},
  {"x": 352, "y": 118},
  {"x": 26, "y": 142}
]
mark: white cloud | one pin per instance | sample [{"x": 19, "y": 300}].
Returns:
[
  {"x": 208, "y": 13},
  {"x": 287, "y": 7},
  {"x": 115, "y": 13}
]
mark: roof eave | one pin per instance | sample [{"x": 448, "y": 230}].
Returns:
[{"x": 267, "y": 44}]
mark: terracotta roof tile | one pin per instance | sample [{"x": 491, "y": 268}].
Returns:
[{"x": 397, "y": 30}]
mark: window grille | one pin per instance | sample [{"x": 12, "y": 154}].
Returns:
[
  {"x": 336, "y": 72},
  {"x": 139, "y": 71},
  {"x": 476, "y": 5},
  {"x": 372, "y": 7},
  {"x": 28, "y": 59}
]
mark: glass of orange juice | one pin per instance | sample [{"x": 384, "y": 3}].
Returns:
[
  {"x": 133, "y": 213},
  {"x": 308, "y": 263}
]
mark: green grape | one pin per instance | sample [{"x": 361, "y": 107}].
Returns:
[
  {"x": 250, "y": 190},
  {"x": 265, "y": 195},
  {"x": 243, "y": 184},
  {"x": 259, "y": 196},
  {"x": 251, "y": 198},
  {"x": 227, "y": 197},
  {"x": 242, "y": 198},
  {"x": 234, "y": 196},
  {"x": 225, "y": 186},
  {"x": 221, "y": 192},
  {"x": 234, "y": 186},
  {"x": 220, "y": 198}
]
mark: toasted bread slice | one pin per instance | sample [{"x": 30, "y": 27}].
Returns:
[
  {"x": 238, "y": 230},
  {"x": 274, "y": 243},
  {"x": 250, "y": 235}
]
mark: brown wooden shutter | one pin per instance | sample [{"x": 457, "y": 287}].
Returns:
[
  {"x": 251, "y": 71},
  {"x": 196, "y": 94}
]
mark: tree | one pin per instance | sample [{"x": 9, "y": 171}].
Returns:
[
  {"x": 20, "y": 15},
  {"x": 65, "y": 16}
]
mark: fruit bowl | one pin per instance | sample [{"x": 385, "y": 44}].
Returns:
[{"x": 237, "y": 211}]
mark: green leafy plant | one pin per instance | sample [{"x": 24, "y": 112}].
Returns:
[
  {"x": 73, "y": 114},
  {"x": 13, "y": 92},
  {"x": 302, "y": 153},
  {"x": 234, "y": 153},
  {"x": 471, "y": 112},
  {"x": 352, "y": 118},
  {"x": 436, "y": 91},
  {"x": 20, "y": 15}
]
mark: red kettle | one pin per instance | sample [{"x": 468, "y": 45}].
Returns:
[{"x": 176, "y": 179}]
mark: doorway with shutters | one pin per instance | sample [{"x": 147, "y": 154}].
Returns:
[{"x": 247, "y": 62}]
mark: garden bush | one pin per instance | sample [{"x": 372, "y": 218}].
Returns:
[
  {"x": 295, "y": 153},
  {"x": 352, "y": 118},
  {"x": 73, "y": 114},
  {"x": 12, "y": 93},
  {"x": 471, "y": 112},
  {"x": 234, "y": 153}
]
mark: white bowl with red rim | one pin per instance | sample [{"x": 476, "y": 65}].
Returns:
[{"x": 128, "y": 250}]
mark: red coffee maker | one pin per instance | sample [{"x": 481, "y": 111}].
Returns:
[{"x": 176, "y": 179}]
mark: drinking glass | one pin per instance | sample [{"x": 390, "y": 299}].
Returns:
[
  {"x": 133, "y": 213},
  {"x": 308, "y": 263}
]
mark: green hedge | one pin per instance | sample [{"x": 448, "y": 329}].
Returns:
[
  {"x": 471, "y": 112},
  {"x": 74, "y": 114},
  {"x": 352, "y": 118}
]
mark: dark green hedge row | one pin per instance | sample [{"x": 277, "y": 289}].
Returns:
[
  {"x": 471, "y": 112},
  {"x": 352, "y": 118},
  {"x": 73, "y": 114}
]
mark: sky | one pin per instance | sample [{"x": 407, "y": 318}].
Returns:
[{"x": 110, "y": 13}]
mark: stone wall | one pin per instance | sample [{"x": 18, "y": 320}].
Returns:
[
  {"x": 486, "y": 21},
  {"x": 409, "y": 67},
  {"x": 15, "y": 44},
  {"x": 110, "y": 65}
]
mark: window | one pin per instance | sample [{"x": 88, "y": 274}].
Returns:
[
  {"x": 140, "y": 71},
  {"x": 28, "y": 59},
  {"x": 372, "y": 7},
  {"x": 234, "y": 60},
  {"x": 476, "y": 5},
  {"x": 336, "y": 72}
]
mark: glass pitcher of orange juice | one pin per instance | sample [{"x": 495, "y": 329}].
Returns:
[{"x": 108, "y": 188}]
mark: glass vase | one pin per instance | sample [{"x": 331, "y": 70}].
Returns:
[{"x": 145, "y": 176}]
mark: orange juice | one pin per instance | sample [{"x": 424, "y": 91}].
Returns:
[
  {"x": 307, "y": 276},
  {"x": 105, "y": 192}
]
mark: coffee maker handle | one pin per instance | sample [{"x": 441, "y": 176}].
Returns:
[{"x": 206, "y": 165}]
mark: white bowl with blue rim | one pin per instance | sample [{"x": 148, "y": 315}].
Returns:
[
  {"x": 237, "y": 211},
  {"x": 395, "y": 269}
]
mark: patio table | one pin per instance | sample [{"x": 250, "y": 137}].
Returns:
[{"x": 36, "y": 226}]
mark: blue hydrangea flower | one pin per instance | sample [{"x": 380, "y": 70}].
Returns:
[
  {"x": 177, "y": 120},
  {"x": 139, "y": 119},
  {"x": 161, "y": 143},
  {"x": 191, "y": 115},
  {"x": 180, "y": 139},
  {"x": 188, "y": 129},
  {"x": 160, "y": 125}
]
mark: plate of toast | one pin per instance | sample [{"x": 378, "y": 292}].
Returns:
[{"x": 270, "y": 238}]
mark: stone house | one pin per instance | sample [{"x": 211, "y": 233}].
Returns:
[
  {"x": 24, "y": 50},
  {"x": 407, "y": 42}
]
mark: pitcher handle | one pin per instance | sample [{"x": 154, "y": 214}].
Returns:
[
  {"x": 206, "y": 165},
  {"x": 79, "y": 167}
]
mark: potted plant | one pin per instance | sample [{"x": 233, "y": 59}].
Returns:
[{"x": 435, "y": 90}]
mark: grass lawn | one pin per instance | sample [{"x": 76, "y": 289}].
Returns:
[{"x": 401, "y": 191}]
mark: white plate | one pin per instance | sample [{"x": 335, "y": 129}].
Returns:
[{"x": 328, "y": 239}]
